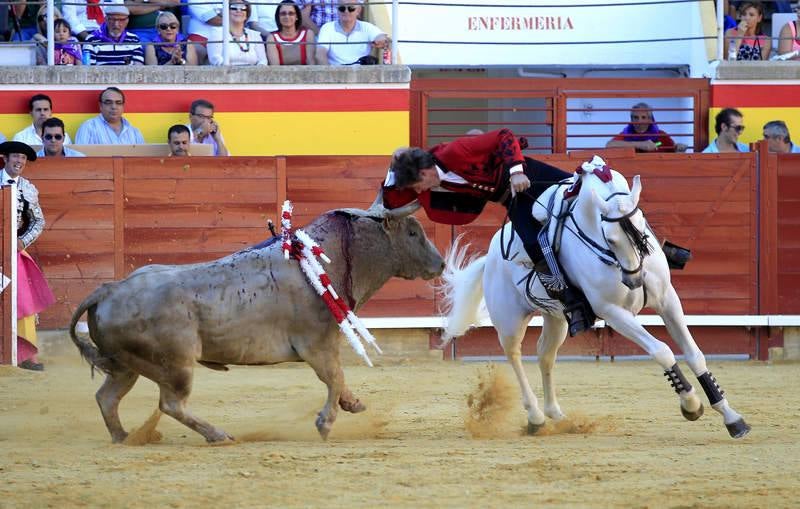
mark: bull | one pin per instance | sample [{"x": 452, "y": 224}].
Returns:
[{"x": 249, "y": 308}]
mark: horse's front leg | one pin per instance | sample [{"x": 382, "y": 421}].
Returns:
[
  {"x": 554, "y": 332},
  {"x": 674, "y": 319}
]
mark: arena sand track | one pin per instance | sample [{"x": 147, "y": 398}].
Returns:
[{"x": 418, "y": 445}]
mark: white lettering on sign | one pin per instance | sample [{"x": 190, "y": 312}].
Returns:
[{"x": 519, "y": 23}]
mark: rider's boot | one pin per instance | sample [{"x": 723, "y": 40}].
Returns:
[{"x": 577, "y": 309}]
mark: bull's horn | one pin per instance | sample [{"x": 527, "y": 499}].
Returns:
[{"x": 377, "y": 208}]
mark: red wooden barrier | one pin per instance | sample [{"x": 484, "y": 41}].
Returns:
[{"x": 108, "y": 216}]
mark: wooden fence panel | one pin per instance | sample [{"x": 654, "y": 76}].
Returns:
[{"x": 788, "y": 243}]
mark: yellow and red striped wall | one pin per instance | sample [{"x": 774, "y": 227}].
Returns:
[
  {"x": 759, "y": 102},
  {"x": 256, "y": 120}
]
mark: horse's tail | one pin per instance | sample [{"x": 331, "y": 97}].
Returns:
[
  {"x": 461, "y": 290},
  {"x": 87, "y": 348}
]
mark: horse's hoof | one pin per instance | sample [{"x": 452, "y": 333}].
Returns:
[
  {"x": 353, "y": 407},
  {"x": 693, "y": 416},
  {"x": 738, "y": 429},
  {"x": 534, "y": 428}
]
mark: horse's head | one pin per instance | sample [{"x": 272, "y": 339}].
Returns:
[{"x": 625, "y": 230}]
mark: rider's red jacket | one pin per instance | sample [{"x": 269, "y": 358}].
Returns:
[{"x": 483, "y": 161}]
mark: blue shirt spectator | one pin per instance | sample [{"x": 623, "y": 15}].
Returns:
[{"x": 109, "y": 128}]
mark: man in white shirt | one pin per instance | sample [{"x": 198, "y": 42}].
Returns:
[
  {"x": 204, "y": 129},
  {"x": 359, "y": 36},
  {"x": 41, "y": 108}
]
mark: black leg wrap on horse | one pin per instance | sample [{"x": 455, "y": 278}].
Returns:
[
  {"x": 577, "y": 310},
  {"x": 711, "y": 388},
  {"x": 677, "y": 380}
]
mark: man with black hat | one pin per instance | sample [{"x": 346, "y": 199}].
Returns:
[{"x": 33, "y": 294}]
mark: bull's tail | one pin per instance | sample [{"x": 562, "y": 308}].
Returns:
[
  {"x": 461, "y": 290},
  {"x": 87, "y": 348}
]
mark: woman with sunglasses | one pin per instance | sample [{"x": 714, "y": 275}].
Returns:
[
  {"x": 245, "y": 46},
  {"x": 290, "y": 44},
  {"x": 169, "y": 47}
]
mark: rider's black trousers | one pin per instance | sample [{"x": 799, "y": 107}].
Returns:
[{"x": 542, "y": 176}]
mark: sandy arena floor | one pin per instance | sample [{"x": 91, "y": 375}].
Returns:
[{"x": 625, "y": 443}]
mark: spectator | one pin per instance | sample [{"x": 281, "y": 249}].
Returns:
[
  {"x": 40, "y": 37},
  {"x": 67, "y": 51},
  {"x": 728, "y": 126},
  {"x": 777, "y": 135},
  {"x": 317, "y": 12},
  {"x": 86, "y": 17},
  {"x": 10, "y": 15},
  {"x": 33, "y": 294},
  {"x": 348, "y": 29},
  {"x": 290, "y": 44},
  {"x": 179, "y": 138},
  {"x": 41, "y": 108},
  {"x": 143, "y": 16},
  {"x": 246, "y": 46},
  {"x": 264, "y": 18},
  {"x": 748, "y": 37},
  {"x": 54, "y": 135},
  {"x": 205, "y": 24},
  {"x": 174, "y": 50},
  {"x": 203, "y": 127},
  {"x": 788, "y": 40},
  {"x": 112, "y": 44},
  {"x": 643, "y": 134},
  {"x": 109, "y": 127}
]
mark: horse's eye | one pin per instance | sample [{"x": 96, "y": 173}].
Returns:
[{"x": 412, "y": 233}]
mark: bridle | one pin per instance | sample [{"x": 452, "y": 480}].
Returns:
[{"x": 638, "y": 240}]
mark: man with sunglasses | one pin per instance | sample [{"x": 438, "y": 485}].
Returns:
[
  {"x": 41, "y": 109},
  {"x": 348, "y": 39},
  {"x": 54, "y": 139},
  {"x": 728, "y": 124}
]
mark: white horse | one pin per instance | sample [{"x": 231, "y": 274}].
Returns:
[{"x": 607, "y": 250}]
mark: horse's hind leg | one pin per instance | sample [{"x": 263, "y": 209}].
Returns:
[
  {"x": 672, "y": 314},
  {"x": 116, "y": 385},
  {"x": 554, "y": 332}
]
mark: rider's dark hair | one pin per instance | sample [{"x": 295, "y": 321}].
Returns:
[
  {"x": 407, "y": 165},
  {"x": 724, "y": 117}
]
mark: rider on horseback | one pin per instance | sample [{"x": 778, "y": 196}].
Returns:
[{"x": 453, "y": 181}]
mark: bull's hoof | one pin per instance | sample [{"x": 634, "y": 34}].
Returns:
[
  {"x": 738, "y": 429},
  {"x": 693, "y": 416},
  {"x": 353, "y": 407},
  {"x": 534, "y": 428},
  {"x": 324, "y": 427}
]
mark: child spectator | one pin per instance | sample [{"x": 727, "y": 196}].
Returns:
[{"x": 66, "y": 51}]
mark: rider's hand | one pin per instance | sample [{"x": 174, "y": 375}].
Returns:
[{"x": 519, "y": 183}]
